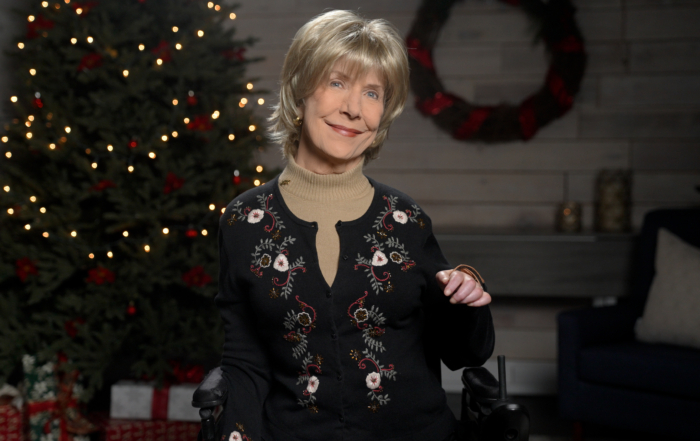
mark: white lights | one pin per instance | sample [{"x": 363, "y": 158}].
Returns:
[
  {"x": 231, "y": 137},
  {"x": 249, "y": 86},
  {"x": 141, "y": 47},
  {"x": 45, "y": 234},
  {"x": 125, "y": 73},
  {"x": 29, "y": 136},
  {"x": 67, "y": 129},
  {"x": 166, "y": 231},
  {"x": 20, "y": 45},
  {"x": 52, "y": 146},
  {"x": 13, "y": 99},
  {"x": 223, "y": 210},
  {"x": 259, "y": 169},
  {"x": 200, "y": 33},
  {"x": 175, "y": 29},
  {"x": 10, "y": 211},
  {"x": 125, "y": 233},
  {"x": 244, "y": 101},
  {"x": 90, "y": 39},
  {"x": 32, "y": 198},
  {"x": 174, "y": 134},
  {"x": 215, "y": 115},
  {"x": 204, "y": 232},
  {"x": 110, "y": 148},
  {"x": 261, "y": 101},
  {"x": 210, "y": 5},
  {"x": 232, "y": 16},
  {"x": 212, "y": 207},
  {"x": 131, "y": 169},
  {"x": 5, "y": 139},
  {"x": 27, "y": 227},
  {"x": 6, "y": 188},
  {"x": 178, "y": 46},
  {"x": 79, "y": 11},
  {"x": 32, "y": 72},
  {"x": 175, "y": 101},
  {"x": 8, "y": 155},
  {"x": 159, "y": 62},
  {"x": 93, "y": 165},
  {"x": 74, "y": 233},
  {"x": 109, "y": 254},
  {"x": 30, "y": 18},
  {"x": 252, "y": 127},
  {"x": 152, "y": 155},
  {"x": 164, "y": 138},
  {"x": 256, "y": 182},
  {"x": 42, "y": 210},
  {"x": 73, "y": 40},
  {"x": 147, "y": 248},
  {"x": 186, "y": 120}
]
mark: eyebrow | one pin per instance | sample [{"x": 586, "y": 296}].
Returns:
[{"x": 345, "y": 77}]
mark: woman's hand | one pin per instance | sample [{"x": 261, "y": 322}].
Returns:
[{"x": 462, "y": 289}]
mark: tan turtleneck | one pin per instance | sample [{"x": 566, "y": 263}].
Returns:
[{"x": 326, "y": 199}]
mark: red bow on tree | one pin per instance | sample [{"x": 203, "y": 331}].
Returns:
[
  {"x": 234, "y": 54},
  {"x": 103, "y": 185},
  {"x": 90, "y": 61},
  {"x": 162, "y": 51},
  {"x": 196, "y": 277},
  {"x": 70, "y": 328},
  {"x": 25, "y": 267},
  {"x": 40, "y": 23},
  {"x": 172, "y": 182},
  {"x": 201, "y": 123},
  {"x": 100, "y": 275}
]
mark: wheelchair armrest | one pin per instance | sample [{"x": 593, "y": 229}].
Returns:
[
  {"x": 480, "y": 383},
  {"x": 212, "y": 391}
]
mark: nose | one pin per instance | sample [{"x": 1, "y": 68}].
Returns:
[{"x": 352, "y": 104}]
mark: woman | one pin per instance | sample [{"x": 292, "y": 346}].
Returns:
[{"x": 336, "y": 299}]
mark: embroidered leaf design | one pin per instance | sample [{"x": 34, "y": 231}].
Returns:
[
  {"x": 291, "y": 320},
  {"x": 300, "y": 347},
  {"x": 372, "y": 342},
  {"x": 413, "y": 217},
  {"x": 374, "y": 241},
  {"x": 377, "y": 316},
  {"x": 265, "y": 244}
]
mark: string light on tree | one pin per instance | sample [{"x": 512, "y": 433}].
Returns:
[
  {"x": 231, "y": 137},
  {"x": 125, "y": 73},
  {"x": 91, "y": 256},
  {"x": 42, "y": 210},
  {"x": 73, "y": 40},
  {"x": 175, "y": 29},
  {"x": 232, "y": 16},
  {"x": 10, "y": 211},
  {"x": 79, "y": 11},
  {"x": 45, "y": 234},
  {"x": 110, "y": 254},
  {"x": 110, "y": 148},
  {"x": 6, "y": 188},
  {"x": 186, "y": 120},
  {"x": 90, "y": 39},
  {"x": 251, "y": 127},
  {"x": 166, "y": 230},
  {"x": 174, "y": 134},
  {"x": 175, "y": 101},
  {"x": 215, "y": 115},
  {"x": 200, "y": 33},
  {"x": 217, "y": 7},
  {"x": 45, "y": 4},
  {"x": 32, "y": 198},
  {"x": 27, "y": 227},
  {"x": 74, "y": 233},
  {"x": 29, "y": 136},
  {"x": 131, "y": 169},
  {"x": 147, "y": 248},
  {"x": 8, "y": 155},
  {"x": 152, "y": 155},
  {"x": 5, "y": 139},
  {"x": 141, "y": 47},
  {"x": 178, "y": 46},
  {"x": 261, "y": 101},
  {"x": 204, "y": 232},
  {"x": 13, "y": 99},
  {"x": 67, "y": 129},
  {"x": 32, "y": 72},
  {"x": 30, "y": 18},
  {"x": 94, "y": 165},
  {"x": 210, "y": 5},
  {"x": 212, "y": 207},
  {"x": 249, "y": 86},
  {"x": 125, "y": 233},
  {"x": 223, "y": 210},
  {"x": 164, "y": 138},
  {"x": 20, "y": 45},
  {"x": 159, "y": 61},
  {"x": 256, "y": 182}
]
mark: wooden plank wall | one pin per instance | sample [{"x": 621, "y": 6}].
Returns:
[{"x": 639, "y": 107}]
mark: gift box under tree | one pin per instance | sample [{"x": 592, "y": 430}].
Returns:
[
  {"x": 11, "y": 427},
  {"x": 52, "y": 403}
]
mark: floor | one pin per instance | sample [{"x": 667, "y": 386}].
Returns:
[{"x": 545, "y": 424}]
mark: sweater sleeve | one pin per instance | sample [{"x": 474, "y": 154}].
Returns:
[
  {"x": 462, "y": 335},
  {"x": 244, "y": 361}
]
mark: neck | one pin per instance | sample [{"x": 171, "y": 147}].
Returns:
[
  {"x": 322, "y": 164},
  {"x": 310, "y": 186}
]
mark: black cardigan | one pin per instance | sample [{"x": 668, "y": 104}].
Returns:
[{"x": 358, "y": 360}]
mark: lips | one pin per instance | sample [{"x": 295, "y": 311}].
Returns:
[{"x": 346, "y": 131}]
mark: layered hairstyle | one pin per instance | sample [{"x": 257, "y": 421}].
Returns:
[{"x": 363, "y": 45}]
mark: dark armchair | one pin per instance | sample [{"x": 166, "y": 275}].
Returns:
[
  {"x": 487, "y": 414},
  {"x": 607, "y": 377}
]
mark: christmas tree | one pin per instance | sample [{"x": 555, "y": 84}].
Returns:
[{"x": 134, "y": 127}]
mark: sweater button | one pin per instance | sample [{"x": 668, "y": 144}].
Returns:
[
  {"x": 345, "y": 257},
  {"x": 334, "y": 336},
  {"x": 328, "y": 294}
]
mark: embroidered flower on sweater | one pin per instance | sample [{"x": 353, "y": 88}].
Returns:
[
  {"x": 370, "y": 331},
  {"x": 298, "y": 335},
  {"x": 255, "y": 216},
  {"x": 379, "y": 259},
  {"x": 373, "y": 380},
  {"x": 265, "y": 260},
  {"x": 395, "y": 257},
  {"x": 281, "y": 263},
  {"x": 304, "y": 319},
  {"x": 235, "y": 436},
  {"x": 312, "y": 385},
  {"x": 399, "y": 216},
  {"x": 361, "y": 315}
]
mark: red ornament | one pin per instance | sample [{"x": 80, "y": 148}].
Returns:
[
  {"x": 234, "y": 54},
  {"x": 196, "y": 277},
  {"x": 201, "y": 123},
  {"x": 436, "y": 104},
  {"x": 162, "y": 51},
  {"x": 103, "y": 185},
  {"x": 172, "y": 182},
  {"x": 70, "y": 328},
  {"x": 133, "y": 144},
  {"x": 131, "y": 309},
  {"x": 236, "y": 180},
  {"x": 90, "y": 61},
  {"x": 40, "y": 23},
  {"x": 100, "y": 275},
  {"x": 192, "y": 100},
  {"x": 191, "y": 233},
  {"x": 24, "y": 267},
  {"x": 38, "y": 103}
]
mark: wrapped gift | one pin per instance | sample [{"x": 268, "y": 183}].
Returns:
[
  {"x": 11, "y": 427},
  {"x": 52, "y": 405},
  {"x": 137, "y": 400},
  {"x": 134, "y": 430}
]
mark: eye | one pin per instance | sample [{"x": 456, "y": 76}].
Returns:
[
  {"x": 373, "y": 94},
  {"x": 334, "y": 82}
]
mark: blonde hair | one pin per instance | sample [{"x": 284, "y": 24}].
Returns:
[{"x": 363, "y": 45}]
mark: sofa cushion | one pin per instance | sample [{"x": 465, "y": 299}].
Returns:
[
  {"x": 658, "y": 368},
  {"x": 672, "y": 311}
]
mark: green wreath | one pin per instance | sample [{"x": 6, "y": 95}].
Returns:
[{"x": 505, "y": 122}]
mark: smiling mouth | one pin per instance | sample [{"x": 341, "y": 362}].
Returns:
[{"x": 345, "y": 131}]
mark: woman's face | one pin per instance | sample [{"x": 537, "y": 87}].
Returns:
[{"x": 342, "y": 116}]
